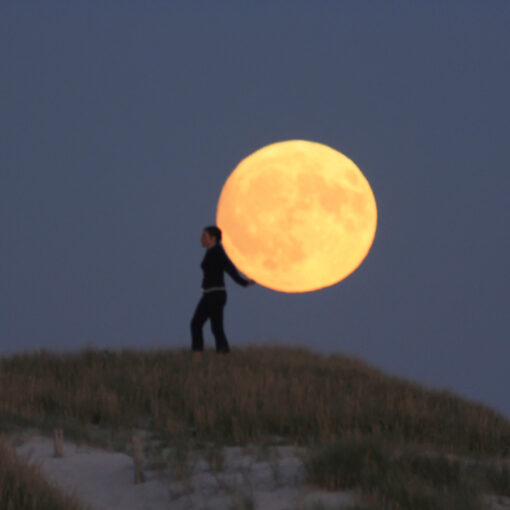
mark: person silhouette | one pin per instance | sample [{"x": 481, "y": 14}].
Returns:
[{"x": 214, "y": 295}]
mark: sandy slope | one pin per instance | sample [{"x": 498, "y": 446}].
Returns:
[{"x": 105, "y": 480}]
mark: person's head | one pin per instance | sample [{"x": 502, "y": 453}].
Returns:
[{"x": 210, "y": 236}]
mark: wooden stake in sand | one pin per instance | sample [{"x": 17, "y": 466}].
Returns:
[
  {"x": 137, "y": 458},
  {"x": 58, "y": 443}
]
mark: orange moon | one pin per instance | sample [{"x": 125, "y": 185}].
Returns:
[{"x": 297, "y": 216}]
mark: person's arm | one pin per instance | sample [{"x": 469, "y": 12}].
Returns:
[{"x": 229, "y": 267}]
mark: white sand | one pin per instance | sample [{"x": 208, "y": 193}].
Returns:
[{"x": 105, "y": 480}]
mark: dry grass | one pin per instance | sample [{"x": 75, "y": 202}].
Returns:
[
  {"x": 262, "y": 395},
  {"x": 248, "y": 396},
  {"x": 401, "y": 476},
  {"x": 23, "y": 488}
]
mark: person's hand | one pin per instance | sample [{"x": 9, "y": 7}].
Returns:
[{"x": 251, "y": 282}]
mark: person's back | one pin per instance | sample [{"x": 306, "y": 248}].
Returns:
[{"x": 214, "y": 264}]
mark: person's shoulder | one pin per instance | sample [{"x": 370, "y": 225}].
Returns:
[
  {"x": 216, "y": 251},
  {"x": 219, "y": 251}
]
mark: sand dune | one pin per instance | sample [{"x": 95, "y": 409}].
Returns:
[{"x": 104, "y": 480}]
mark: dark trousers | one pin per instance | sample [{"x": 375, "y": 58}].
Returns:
[{"x": 209, "y": 307}]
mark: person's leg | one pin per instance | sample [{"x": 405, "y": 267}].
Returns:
[
  {"x": 216, "y": 302},
  {"x": 197, "y": 322}
]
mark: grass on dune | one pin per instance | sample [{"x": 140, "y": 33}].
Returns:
[
  {"x": 248, "y": 395},
  {"x": 402, "y": 476},
  {"x": 23, "y": 488},
  {"x": 353, "y": 417}
]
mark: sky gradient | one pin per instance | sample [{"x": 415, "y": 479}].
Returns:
[{"x": 120, "y": 122}]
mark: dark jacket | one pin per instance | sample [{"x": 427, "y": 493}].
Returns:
[{"x": 215, "y": 263}]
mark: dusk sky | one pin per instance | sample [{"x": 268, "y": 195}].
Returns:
[{"x": 121, "y": 121}]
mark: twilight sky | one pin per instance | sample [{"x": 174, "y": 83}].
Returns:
[{"x": 120, "y": 122}]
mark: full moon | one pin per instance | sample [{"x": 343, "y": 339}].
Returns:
[{"x": 297, "y": 216}]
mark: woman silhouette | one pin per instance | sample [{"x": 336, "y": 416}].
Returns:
[{"x": 214, "y": 298}]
